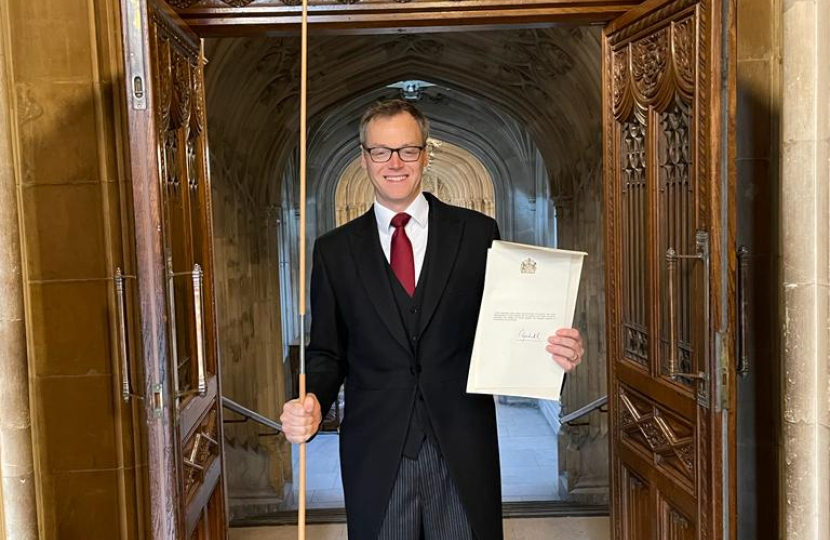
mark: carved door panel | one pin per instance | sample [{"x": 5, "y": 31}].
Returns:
[
  {"x": 669, "y": 229},
  {"x": 171, "y": 193}
]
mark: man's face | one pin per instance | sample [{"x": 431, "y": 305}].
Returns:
[{"x": 397, "y": 182}]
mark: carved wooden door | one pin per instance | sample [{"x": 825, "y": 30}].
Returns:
[
  {"x": 669, "y": 236},
  {"x": 171, "y": 197}
]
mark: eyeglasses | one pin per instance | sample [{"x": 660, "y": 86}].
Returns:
[{"x": 382, "y": 154}]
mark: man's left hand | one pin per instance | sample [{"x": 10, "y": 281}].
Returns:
[{"x": 565, "y": 346}]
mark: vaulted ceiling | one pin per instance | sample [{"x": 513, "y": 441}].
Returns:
[{"x": 545, "y": 80}]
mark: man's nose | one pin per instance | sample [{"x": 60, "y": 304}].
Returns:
[{"x": 395, "y": 161}]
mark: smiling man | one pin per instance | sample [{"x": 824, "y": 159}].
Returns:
[
  {"x": 394, "y": 156},
  {"x": 395, "y": 296}
]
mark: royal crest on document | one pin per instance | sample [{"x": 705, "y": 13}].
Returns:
[
  {"x": 519, "y": 310},
  {"x": 528, "y": 266}
]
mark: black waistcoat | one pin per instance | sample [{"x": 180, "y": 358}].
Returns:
[{"x": 409, "y": 308}]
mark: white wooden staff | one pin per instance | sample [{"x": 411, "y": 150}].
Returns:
[{"x": 303, "y": 105}]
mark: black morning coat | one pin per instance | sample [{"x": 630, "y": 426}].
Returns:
[{"x": 357, "y": 335}]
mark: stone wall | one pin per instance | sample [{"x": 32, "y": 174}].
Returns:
[
  {"x": 62, "y": 71},
  {"x": 18, "y": 512},
  {"x": 249, "y": 328},
  {"x": 805, "y": 267}
]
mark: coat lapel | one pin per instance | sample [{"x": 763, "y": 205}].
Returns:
[
  {"x": 371, "y": 266},
  {"x": 443, "y": 243}
]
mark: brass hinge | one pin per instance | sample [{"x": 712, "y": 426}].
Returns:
[{"x": 724, "y": 367}]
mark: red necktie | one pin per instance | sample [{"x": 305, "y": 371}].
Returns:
[{"x": 400, "y": 258}]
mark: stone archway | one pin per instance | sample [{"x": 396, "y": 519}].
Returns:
[
  {"x": 525, "y": 102},
  {"x": 454, "y": 175}
]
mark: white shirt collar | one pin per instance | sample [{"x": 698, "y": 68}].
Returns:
[{"x": 418, "y": 209}]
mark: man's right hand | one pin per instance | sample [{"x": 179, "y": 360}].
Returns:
[{"x": 301, "y": 420}]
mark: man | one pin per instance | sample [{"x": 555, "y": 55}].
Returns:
[{"x": 395, "y": 296}]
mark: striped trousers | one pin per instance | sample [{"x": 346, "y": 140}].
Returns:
[{"x": 425, "y": 504}]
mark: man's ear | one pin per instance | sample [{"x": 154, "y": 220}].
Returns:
[{"x": 362, "y": 159}]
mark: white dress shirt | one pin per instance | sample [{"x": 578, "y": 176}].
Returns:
[{"x": 416, "y": 229}]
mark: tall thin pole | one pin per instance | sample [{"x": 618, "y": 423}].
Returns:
[{"x": 303, "y": 107}]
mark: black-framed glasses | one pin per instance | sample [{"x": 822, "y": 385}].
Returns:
[{"x": 382, "y": 154}]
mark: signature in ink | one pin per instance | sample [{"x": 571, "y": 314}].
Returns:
[{"x": 527, "y": 335}]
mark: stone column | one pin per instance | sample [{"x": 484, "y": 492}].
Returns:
[
  {"x": 19, "y": 509},
  {"x": 805, "y": 219}
]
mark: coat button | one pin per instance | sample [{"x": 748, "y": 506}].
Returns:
[
  {"x": 414, "y": 337},
  {"x": 413, "y": 310}
]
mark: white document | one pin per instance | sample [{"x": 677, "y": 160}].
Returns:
[{"x": 529, "y": 293}]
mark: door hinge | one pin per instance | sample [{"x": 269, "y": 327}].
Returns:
[{"x": 723, "y": 368}]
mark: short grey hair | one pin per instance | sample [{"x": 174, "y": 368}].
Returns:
[{"x": 390, "y": 108}]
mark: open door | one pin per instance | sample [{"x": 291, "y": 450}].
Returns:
[
  {"x": 670, "y": 230},
  {"x": 174, "y": 260}
]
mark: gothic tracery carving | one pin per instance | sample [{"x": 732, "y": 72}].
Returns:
[
  {"x": 533, "y": 61},
  {"x": 683, "y": 49},
  {"x": 281, "y": 63},
  {"x": 199, "y": 453},
  {"x": 640, "y": 68},
  {"x": 670, "y": 442},
  {"x": 180, "y": 108},
  {"x": 620, "y": 69},
  {"x": 649, "y": 58},
  {"x": 654, "y": 435},
  {"x": 197, "y": 114},
  {"x": 633, "y": 187},
  {"x": 676, "y": 186},
  {"x": 415, "y": 44},
  {"x": 665, "y": 82},
  {"x": 170, "y": 173},
  {"x": 686, "y": 455},
  {"x": 636, "y": 345},
  {"x": 164, "y": 81},
  {"x": 193, "y": 176},
  {"x": 675, "y": 158}
]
